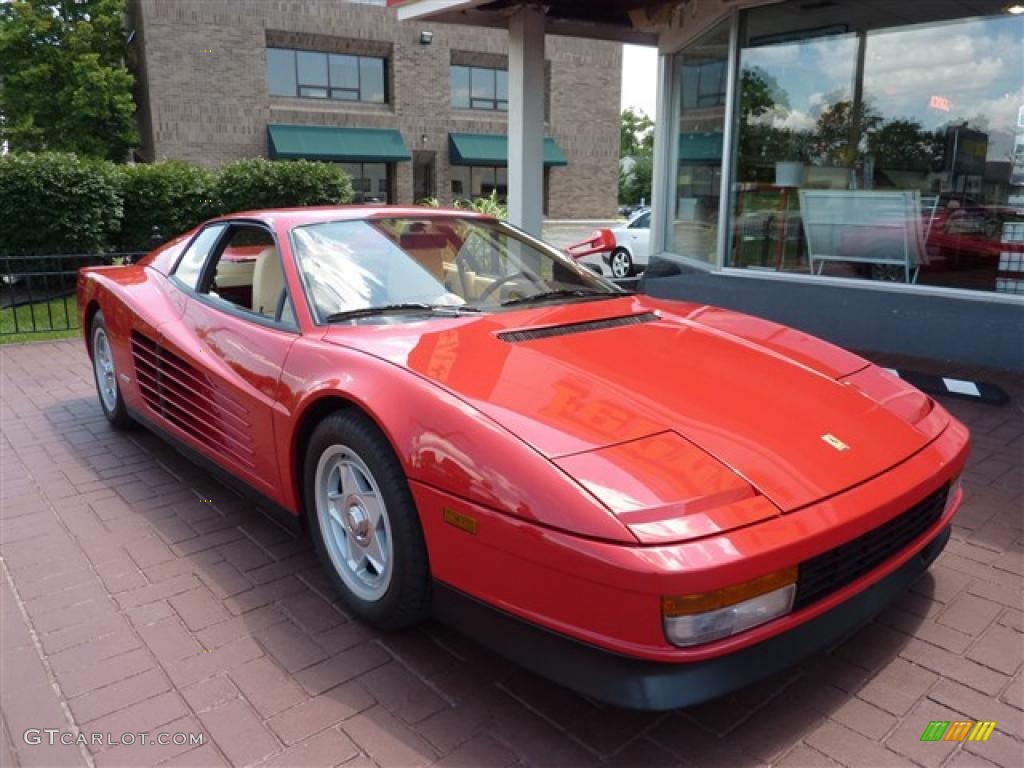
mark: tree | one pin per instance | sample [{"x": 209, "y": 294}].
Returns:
[
  {"x": 906, "y": 145},
  {"x": 635, "y": 185},
  {"x": 760, "y": 94},
  {"x": 636, "y": 133},
  {"x": 637, "y": 144},
  {"x": 64, "y": 83},
  {"x": 836, "y": 124}
]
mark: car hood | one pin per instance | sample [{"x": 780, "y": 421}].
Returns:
[{"x": 764, "y": 400}]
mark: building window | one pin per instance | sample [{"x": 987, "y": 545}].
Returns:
[
  {"x": 874, "y": 149},
  {"x": 371, "y": 182},
  {"x": 315, "y": 75},
  {"x": 479, "y": 88},
  {"x": 472, "y": 182}
]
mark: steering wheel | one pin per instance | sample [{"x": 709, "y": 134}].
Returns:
[{"x": 507, "y": 279}]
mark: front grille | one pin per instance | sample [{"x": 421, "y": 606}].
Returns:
[
  {"x": 532, "y": 334},
  {"x": 822, "y": 575}
]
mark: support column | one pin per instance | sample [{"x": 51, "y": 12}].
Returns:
[
  {"x": 666, "y": 141},
  {"x": 526, "y": 119}
]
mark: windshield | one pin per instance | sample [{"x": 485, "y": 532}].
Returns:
[{"x": 437, "y": 262}]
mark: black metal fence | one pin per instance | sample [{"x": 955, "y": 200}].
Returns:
[{"x": 37, "y": 293}]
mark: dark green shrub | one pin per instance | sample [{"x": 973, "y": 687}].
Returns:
[
  {"x": 54, "y": 203},
  {"x": 170, "y": 195},
  {"x": 259, "y": 183},
  {"x": 57, "y": 203}
]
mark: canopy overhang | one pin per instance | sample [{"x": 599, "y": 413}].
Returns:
[
  {"x": 491, "y": 149},
  {"x": 323, "y": 142},
  {"x": 625, "y": 21}
]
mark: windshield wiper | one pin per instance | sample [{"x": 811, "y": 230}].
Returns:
[
  {"x": 452, "y": 310},
  {"x": 563, "y": 293}
]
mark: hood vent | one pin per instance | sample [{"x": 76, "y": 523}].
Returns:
[
  {"x": 532, "y": 334},
  {"x": 186, "y": 398}
]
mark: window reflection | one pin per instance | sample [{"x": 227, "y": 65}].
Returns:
[
  {"x": 702, "y": 72},
  {"x": 479, "y": 88},
  {"x": 875, "y": 151},
  {"x": 315, "y": 75}
]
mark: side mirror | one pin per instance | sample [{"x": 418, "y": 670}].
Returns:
[{"x": 600, "y": 241}]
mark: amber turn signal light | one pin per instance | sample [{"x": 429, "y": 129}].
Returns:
[{"x": 688, "y": 605}]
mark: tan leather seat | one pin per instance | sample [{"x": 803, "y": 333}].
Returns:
[{"x": 267, "y": 282}]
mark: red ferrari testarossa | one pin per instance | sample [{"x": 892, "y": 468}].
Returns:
[{"x": 650, "y": 502}]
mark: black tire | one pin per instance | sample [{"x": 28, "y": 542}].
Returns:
[
  {"x": 888, "y": 273},
  {"x": 112, "y": 405},
  {"x": 628, "y": 268},
  {"x": 406, "y": 600}
]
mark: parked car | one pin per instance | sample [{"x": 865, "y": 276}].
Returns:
[
  {"x": 651, "y": 502},
  {"x": 631, "y": 251}
]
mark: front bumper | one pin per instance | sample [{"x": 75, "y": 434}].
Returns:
[
  {"x": 652, "y": 685},
  {"x": 609, "y": 595}
]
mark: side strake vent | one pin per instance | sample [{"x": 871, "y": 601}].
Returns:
[
  {"x": 186, "y": 398},
  {"x": 531, "y": 334}
]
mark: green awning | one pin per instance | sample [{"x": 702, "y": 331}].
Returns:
[
  {"x": 324, "y": 142},
  {"x": 492, "y": 149},
  {"x": 700, "y": 147}
]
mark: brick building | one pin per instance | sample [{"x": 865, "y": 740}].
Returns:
[{"x": 412, "y": 110}]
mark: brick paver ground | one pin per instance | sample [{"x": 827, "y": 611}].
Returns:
[{"x": 138, "y": 594}]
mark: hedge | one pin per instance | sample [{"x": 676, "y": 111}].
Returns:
[
  {"x": 170, "y": 196},
  {"x": 260, "y": 183},
  {"x": 54, "y": 203},
  {"x": 57, "y": 203}
]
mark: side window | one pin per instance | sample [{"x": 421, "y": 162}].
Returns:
[
  {"x": 247, "y": 275},
  {"x": 191, "y": 265},
  {"x": 641, "y": 222}
]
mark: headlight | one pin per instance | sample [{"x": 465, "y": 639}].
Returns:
[{"x": 701, "y": 618}]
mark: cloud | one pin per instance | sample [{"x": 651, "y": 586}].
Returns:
[{"x": 977, "y": 64}]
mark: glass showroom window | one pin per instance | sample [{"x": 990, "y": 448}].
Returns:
[
  {"x": 701, "y": 70},
  {"x": 371, "y": 182},
  {"x": 315, "y": 75},
  {"x": 879, "y": 150},
  {"x": 479, "y": 88}
]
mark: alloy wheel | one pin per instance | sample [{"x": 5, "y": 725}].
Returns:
[
  {"x": 354, "y": 522},
  {"x": 103, "y": 364},
  {"x": 621, "y": 264}
]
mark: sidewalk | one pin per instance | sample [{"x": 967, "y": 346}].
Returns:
[{"x": 140, "y": 595}]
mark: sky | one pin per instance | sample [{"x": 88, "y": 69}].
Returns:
[{"x": 640, "y": 78}]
